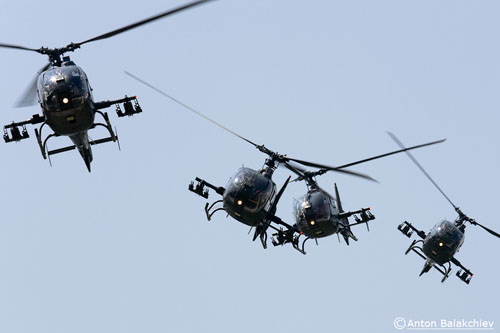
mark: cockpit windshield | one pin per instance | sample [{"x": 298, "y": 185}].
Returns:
[
  {"x": 61, "y": 88},
  {"x": 444, "y": 227},
  {"x": 248, "y": 189},
  {"x": 313, "y": 206}
]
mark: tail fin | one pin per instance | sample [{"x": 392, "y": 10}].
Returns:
[
  {"x": 337, "y": 197},
  {"x": 272, "y": 210},
  {"x": 346, "y": 232}
]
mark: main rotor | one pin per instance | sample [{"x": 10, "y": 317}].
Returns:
[
  {"x": 55, "y": 54},
  {"x": 274, "y": 157},
  {"x": 462, "y": 217}
]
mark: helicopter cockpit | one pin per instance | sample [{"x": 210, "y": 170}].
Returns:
[
  {"x": 248, "y": 191},
  {"x": 444, "y": 239},
  {"x": 62, "y": 88},
  {"x": 312, "y": 209},
  {"x": 447, "y": 231}
]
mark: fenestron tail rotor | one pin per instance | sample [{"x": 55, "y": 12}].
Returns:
[
  {"x": 282, "y": 159},
  {"x": 461, "y": 216}
]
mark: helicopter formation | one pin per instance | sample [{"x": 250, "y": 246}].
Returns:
[{"x": 250, "y": 196}]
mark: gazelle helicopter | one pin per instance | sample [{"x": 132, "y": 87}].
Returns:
[
  {"x": 318, "y": 214},
  {"x": 439, "y": 246},
  {"x": 65, "y": 96},
  {"x": 250, "y": 196}
]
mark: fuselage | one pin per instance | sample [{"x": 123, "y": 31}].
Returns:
[
  {"x": 248, "y": 196},
  {"x": 65, "y": 96},
  {"x": 442, "y": 242},
  {"x": 316, "y": 215}
]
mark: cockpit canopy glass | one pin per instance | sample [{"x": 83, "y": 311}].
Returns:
[
  {"x": 61, "y": 88},
  {"x": 248, "y": 189},
  {"x": 314, "y": 206},
  {"x": 448, "y": 232},
  {"x": 443, "y": 227}
]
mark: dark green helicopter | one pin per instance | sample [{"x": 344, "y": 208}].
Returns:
[
  {"x": 251, "y": 197},
  {"x": 65, "y": 96},
  {"x": 440, "y": 245}
]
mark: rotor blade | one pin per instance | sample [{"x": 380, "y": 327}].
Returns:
[
  {"x": 391, "y": 153},
  {"x": 324, "y": 192},
  {"x": 245, "y": 139},
  {"x": 189, "y": 108},
  {"x": 277, "y": 198},
  {"x": 487, "y": 229},
  {"x": 298, "y": 171},
  {"x": 400, "y": 144},
  {"x": 331, "y": 168},
  {"x": 301, "y": 173},
  {"x": 29, "y": 98},
  {"x": 145, "y": 21},
  {"x": 19, "y": 47}
]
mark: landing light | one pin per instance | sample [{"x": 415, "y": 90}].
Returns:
[
  {"x": 239, "y": 202},
  {"x": 65, "y": 100},
  {"x": 440, "y": 244},
  {"x": 312, "y": 223}
]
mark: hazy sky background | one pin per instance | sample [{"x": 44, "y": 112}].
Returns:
[{"x": 127, "y": 248}]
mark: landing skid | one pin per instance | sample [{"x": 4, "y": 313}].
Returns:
[
  {"x": 47, "y": 153},
  {"x": 210, "y": 212},
  {"x": 445, "y": 270},
  {"x": 201, "y": 188}
]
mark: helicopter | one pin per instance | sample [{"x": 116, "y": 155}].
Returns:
[
  {"x": 251, "y": 197},
  {"x": 439, "y": 246},
  {"x": 65, "y": 96},
  {"x": 318, "y": 214}
]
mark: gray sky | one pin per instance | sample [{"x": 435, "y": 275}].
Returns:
[{"x": 128, "y": 249}]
